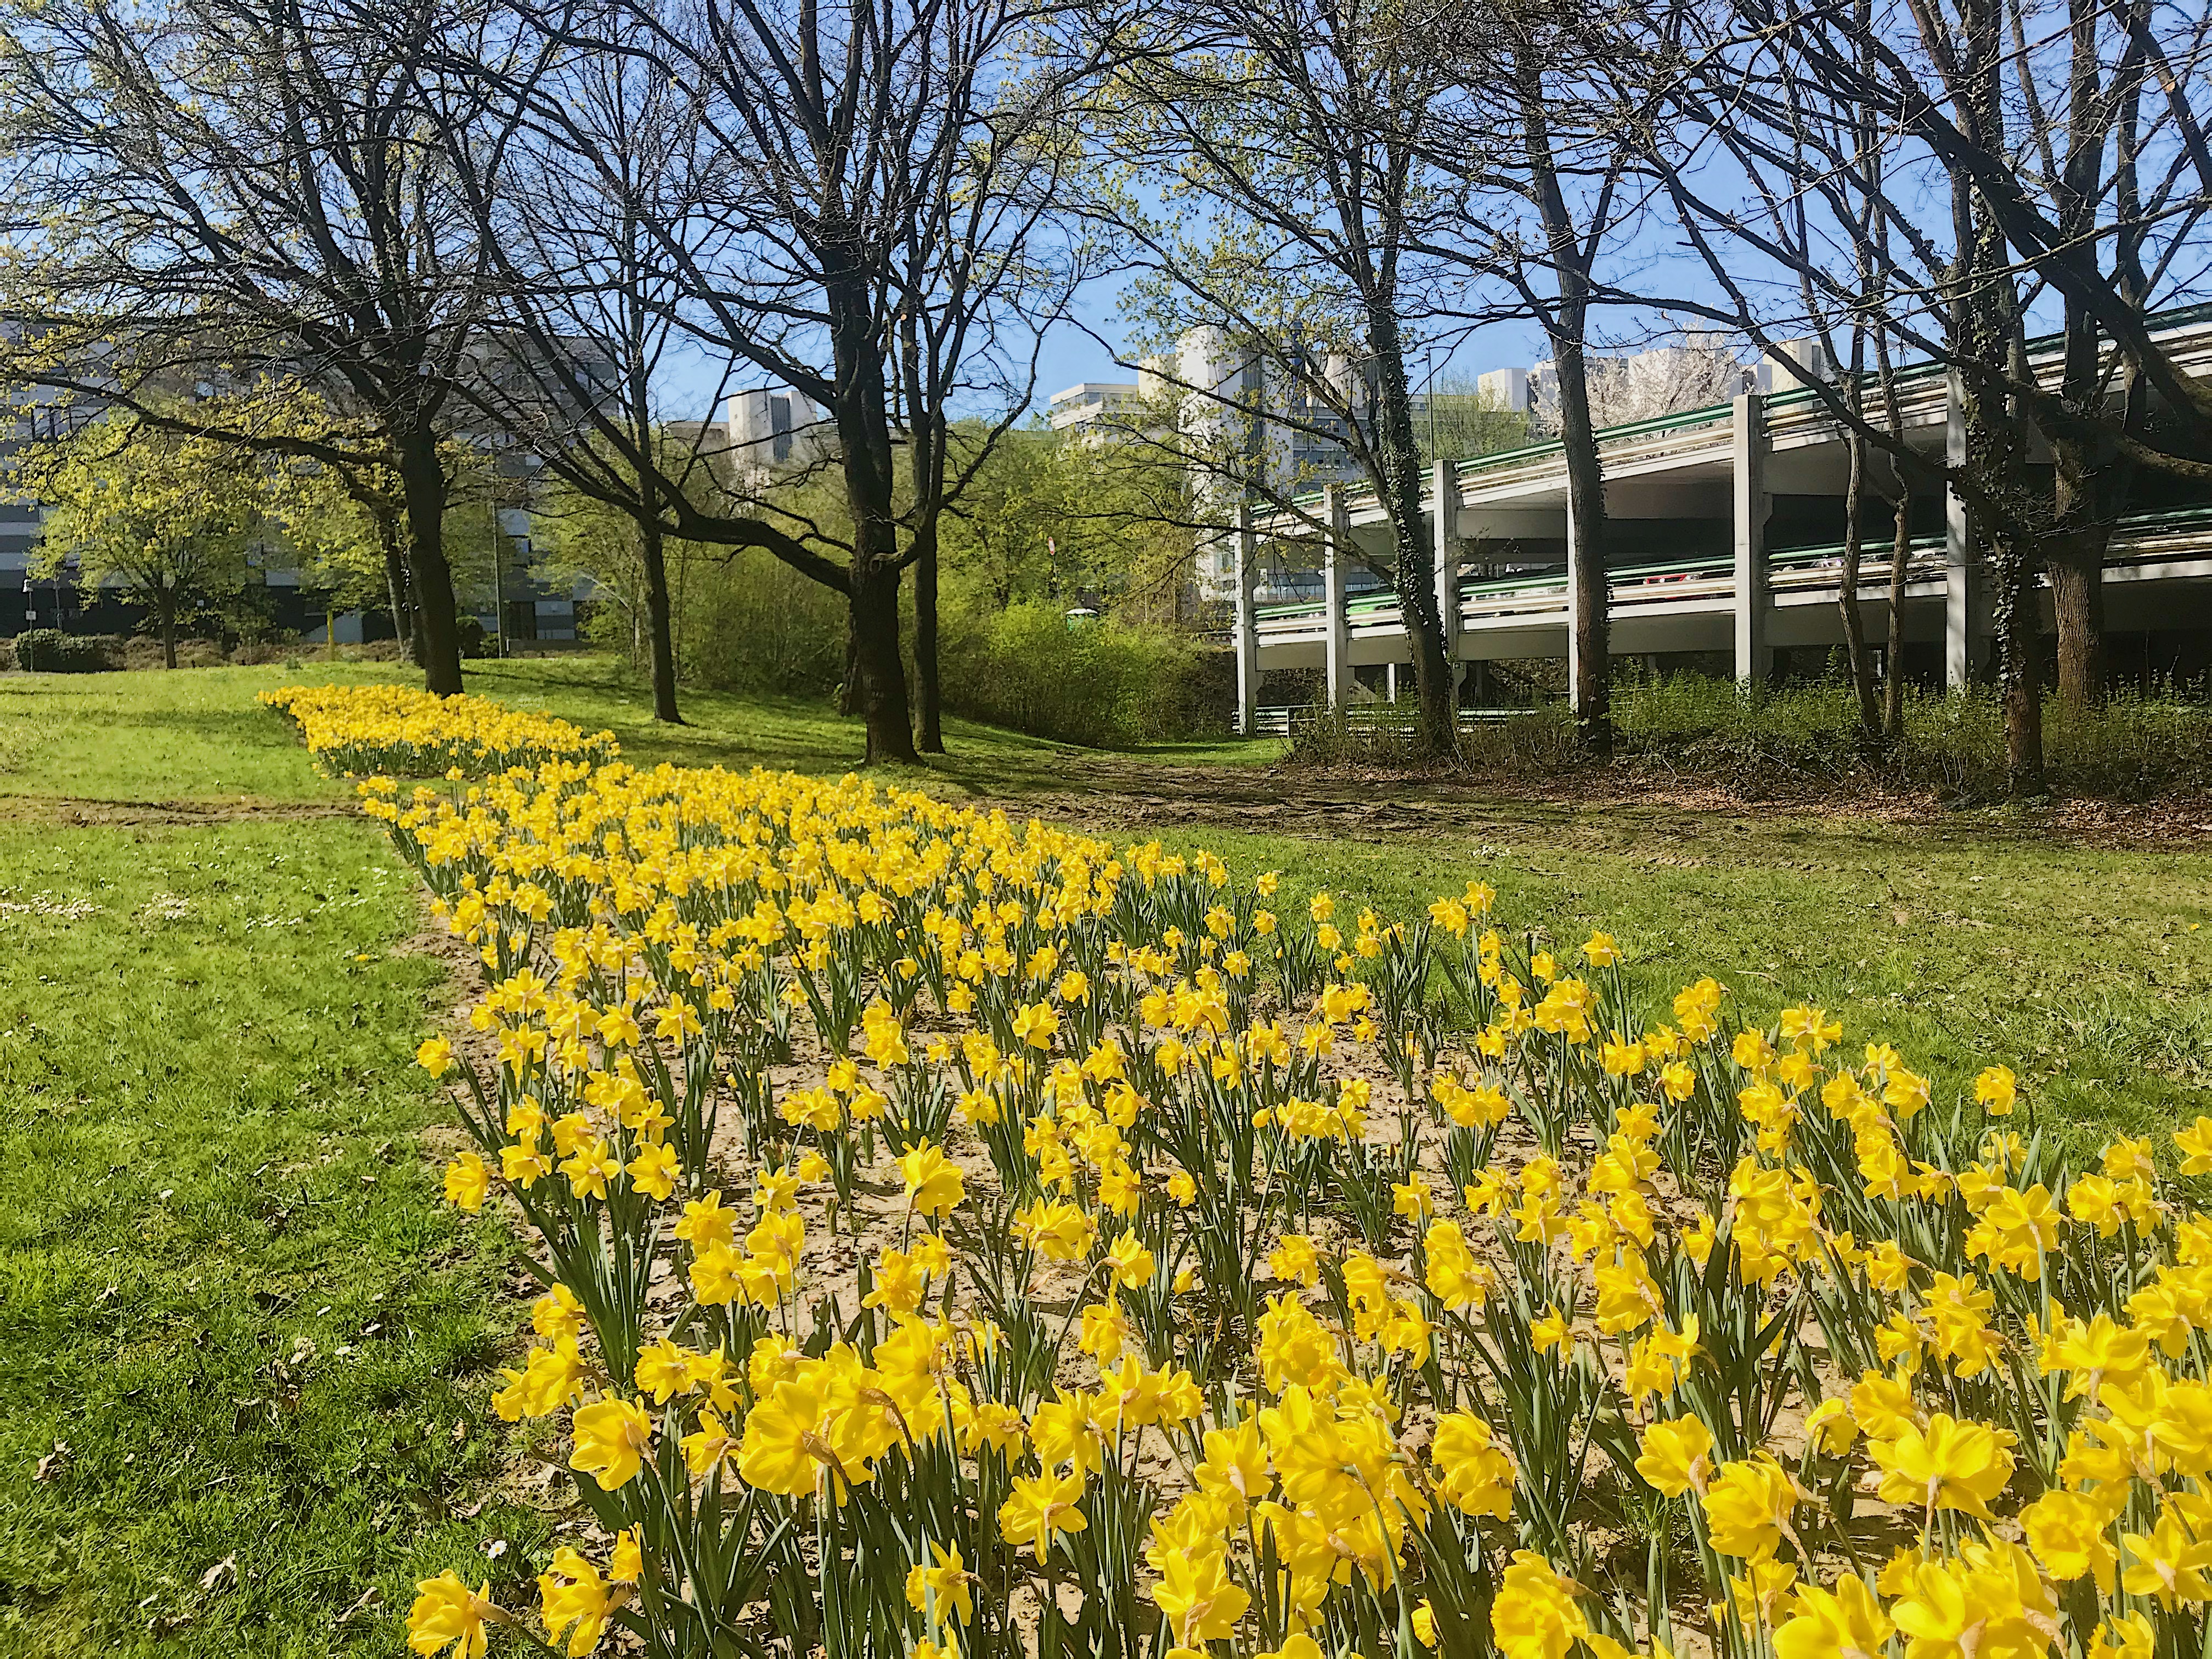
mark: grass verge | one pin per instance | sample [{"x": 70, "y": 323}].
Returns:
[{"x": 237, "y": 1333}]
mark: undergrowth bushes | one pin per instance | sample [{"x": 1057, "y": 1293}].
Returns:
[
  {"x": 50, "y": 651},
  {"x": 748, "y": 622},
  {"x": 1103, "y": 684},
  {"x": 755, "y": 625},
  {"x": 1692, "y": 726}
]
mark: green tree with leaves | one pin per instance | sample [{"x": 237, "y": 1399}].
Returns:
[{"x": 162, "y": 518}]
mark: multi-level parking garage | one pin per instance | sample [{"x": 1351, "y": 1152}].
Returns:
[{"x": 1724, "y": 532}]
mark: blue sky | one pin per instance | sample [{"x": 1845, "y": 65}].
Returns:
[{"x": 1073, "y": 352}]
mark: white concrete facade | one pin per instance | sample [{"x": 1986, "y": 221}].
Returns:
[{"x": 1703, "y": 490}]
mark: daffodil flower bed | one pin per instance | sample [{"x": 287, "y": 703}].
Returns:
[
  {"x": 396, "y": 731},
  {"x": 963, "y": 1235}
]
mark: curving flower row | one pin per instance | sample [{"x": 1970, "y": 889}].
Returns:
[
  {"x": 963, "y": 1235},
  {"x": 357, "y": 731}
]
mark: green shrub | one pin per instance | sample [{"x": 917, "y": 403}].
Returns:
[
  {"x": 50, "y": 651},
  {"x": 2135, "y": 746},
  {"x": 1534, "y": 744},
  {"x": 1697, "y": 725},
  {"x": 1103, "y": 684},
  {"x": 748, "y": 622}
]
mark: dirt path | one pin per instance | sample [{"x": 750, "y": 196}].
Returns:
[
  {"x": 1130, "y": 794},
  {"x": 80, "y": 812}
]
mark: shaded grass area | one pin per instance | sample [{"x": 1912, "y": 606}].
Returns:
[
  {"x": 226, "y": 1285},
  {"x": 740, "y": 731}
]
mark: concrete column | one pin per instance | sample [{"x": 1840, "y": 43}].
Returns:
[
  {"x": 1754, "y": 660},
  {"x": 1577, "y": 646},
  {"x": 1961, "y": 580},
  {"x": 1389, "y": 682},
  {"x": 1337, "y": 623},
  {"x": 1443, "y": 486},
  {"x": 1248, "y": 624}
]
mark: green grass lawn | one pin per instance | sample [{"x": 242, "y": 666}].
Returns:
[
  {"x": 226, "y": 1285},
  {"x": 2088, "y": 970},
  {"x": 225, "y": 1282}
]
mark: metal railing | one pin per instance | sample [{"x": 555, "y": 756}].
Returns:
[
  {"x": 1713, "y": 575},
  {"x": 1790, "y": 413},
  {"x": 1283, "y": 720}
]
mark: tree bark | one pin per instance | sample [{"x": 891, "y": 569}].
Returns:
[
  {"x": 1900, "y": 559},
  {"x": 1847, "y": 591},
  {"x": 1987, "y": 326},
  {"x": 2023, "y": 696},
  {"x": 422, "y": 489},
  {"x": 878, "y": 664},
  {"x": 2077, "y": 588},
  {"x": 167, "y": 610},
  {"x": 931, "y": 737},
  {"x": 1592, "y": 688},
  {"x": 1567, "y": 329},
  {"x": 1413, "y": 571},
  {"x": 395, "y": 590},
  {"x": 651, "y": 555}
]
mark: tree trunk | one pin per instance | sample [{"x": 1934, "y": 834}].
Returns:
[
  {"x": 878, "y": 666},
  {"x": 1901, "y": 556},
  {"x": 2016, "y": 675},
  {"x": 652, "y": 556},
  {"x": 925, "y": 646},
  {"x": 422, "y": 486},
  {"x": 1847, "y": 592},
  {"x": 2089, "y": 490},
  {"x": 1414, "y": 573},
  {"x": 1568, "y": 255},
  {"x": 849, "y": 689},
  {"x": 1592, "y": 690},
  {"x": 1989, "y": 333},
  {"x": 637, "y": 325},
  {"x": 166, "y": 608},
  {"x": 395, "y": 590},
  {"x": 2077, "y": 606}
]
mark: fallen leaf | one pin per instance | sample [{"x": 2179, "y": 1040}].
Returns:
[{"x": 371, "y": 1600}]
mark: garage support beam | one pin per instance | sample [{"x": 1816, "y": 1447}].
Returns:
[
  {"x": 1961, "y": 580},
  {"x": 1754, "y": 657},
  {"x": 1336, "y": 555},
  {"x": 1247, "y": 623},
  {"x": 1444, "y": 488}
]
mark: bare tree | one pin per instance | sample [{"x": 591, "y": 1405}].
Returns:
[
  {"x": 245, "y": 194},
  {"x": 1532, "y": 136},
  {"x": 1291, "y": 137},
  {"x": 587, "y": 303},
  {"x": 855, "y": 212},
  {"x": 2070, "y": 142}
]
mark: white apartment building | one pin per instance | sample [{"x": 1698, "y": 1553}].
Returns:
[{"x": 1097, "y": 410}]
